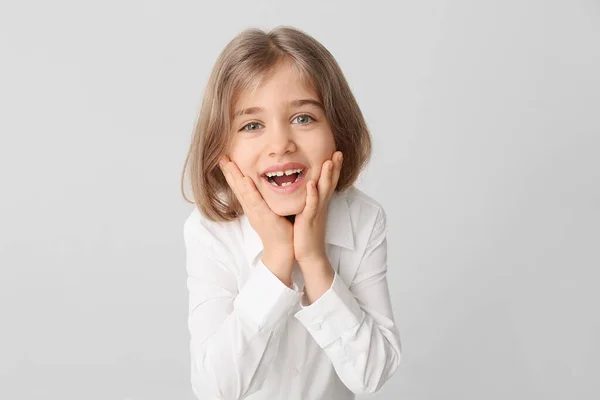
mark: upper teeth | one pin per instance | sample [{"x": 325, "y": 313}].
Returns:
[{"x": 287, "y": 172}]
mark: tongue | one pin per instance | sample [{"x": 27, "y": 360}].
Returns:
[{"x": 285, "y": 178}]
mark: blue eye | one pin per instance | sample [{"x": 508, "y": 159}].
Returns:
[
  {"x": 305, "y": 116},
  {"x": 250, "y": 124}
]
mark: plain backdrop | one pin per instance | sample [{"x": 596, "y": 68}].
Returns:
[{"x": 485, "y": 119}]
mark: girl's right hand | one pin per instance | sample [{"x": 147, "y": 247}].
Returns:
[{"x": 275, "y": 231}]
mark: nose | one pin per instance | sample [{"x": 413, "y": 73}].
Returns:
[{"x": 280, "y": 142}]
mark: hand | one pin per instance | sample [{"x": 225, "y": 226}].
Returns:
[
  {"x": 309, "y": 226},
  {"x": 275, "y": 231}
]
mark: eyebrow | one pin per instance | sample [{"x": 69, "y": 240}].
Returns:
[{"x": 294, "y": 103}]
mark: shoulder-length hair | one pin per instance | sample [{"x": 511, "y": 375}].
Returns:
[{"x": 245, "y": 62}]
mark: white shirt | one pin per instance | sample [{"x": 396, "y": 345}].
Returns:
[{"x": 253, "y": 337}]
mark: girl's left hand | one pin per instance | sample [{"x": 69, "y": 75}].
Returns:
[{"x": 309, "y": 225}]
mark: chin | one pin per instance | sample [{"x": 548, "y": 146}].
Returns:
[{"x": 291, "y": 208}]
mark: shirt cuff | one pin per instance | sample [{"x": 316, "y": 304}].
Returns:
[
  {"x": 332, "y": 314},
  {"x": 265, "y": 300}
]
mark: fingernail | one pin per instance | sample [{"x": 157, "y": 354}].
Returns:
[{"x": 330, "y": 166}]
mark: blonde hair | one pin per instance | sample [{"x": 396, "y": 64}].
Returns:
[{"x": 244, "y": 63}]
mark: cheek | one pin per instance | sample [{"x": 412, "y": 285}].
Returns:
[
  {"x": 245, "y": 163},
  {"x": 318, "y": 144},
  {"x": 323, "y": 151},
  {"x": 326, "y": 145},
  {"x": 331, "y": 145}
]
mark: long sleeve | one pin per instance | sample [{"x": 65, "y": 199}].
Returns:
[
  {"x": 354, "y": 324},
  {"x": 233, "y": 335}
]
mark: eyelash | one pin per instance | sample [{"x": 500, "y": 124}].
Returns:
[{"x": 256, "y": 123}]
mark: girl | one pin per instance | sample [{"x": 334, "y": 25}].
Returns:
[{"x": 286, "y": 259}]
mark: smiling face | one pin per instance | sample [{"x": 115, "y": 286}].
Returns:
[{"x": 282, "y": 139}]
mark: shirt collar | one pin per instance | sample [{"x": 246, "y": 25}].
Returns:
[{"x": 338, "y": 230}]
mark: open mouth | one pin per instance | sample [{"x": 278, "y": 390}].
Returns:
[{"x": 284, "y": 178}]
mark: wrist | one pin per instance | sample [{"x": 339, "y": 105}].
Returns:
[
  {"x": 284, "y": 254},
  {"x": 318, "y": 279},
  {"x": 313, "y": 262},
  {"x": 279, "y": 264}
]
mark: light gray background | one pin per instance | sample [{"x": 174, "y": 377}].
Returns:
[{"x": 485, "y": 120}]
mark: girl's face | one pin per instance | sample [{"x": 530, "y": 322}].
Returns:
[{"x": 282, "y": 129}]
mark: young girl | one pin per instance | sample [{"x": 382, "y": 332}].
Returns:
[{"x": 286, "y": 259}]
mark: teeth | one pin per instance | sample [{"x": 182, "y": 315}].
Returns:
[
  {"x": 272, "y": 182},
  {"x": 287, "y": 172},
  {"x": 293, "y": 171}
]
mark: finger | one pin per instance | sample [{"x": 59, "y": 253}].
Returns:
[
  {"x": 325, "y": 180},
  {"x": 337, "y": 170},
  {"x": 234, "y": 178},
  {"x": 222, "y": 166},
  {"x": 230, "y": 181},
  {"x": 234, "y": 171},
  {"x": 253, "y": 198},
  {"x": 312, "y": 200},
  {"x": 245, "y": 189}
]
